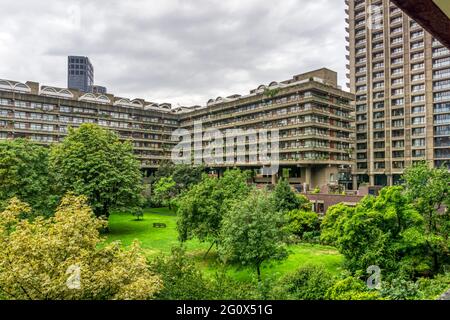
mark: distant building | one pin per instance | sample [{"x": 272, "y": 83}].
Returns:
[
  {"x": 98, "y": 89},
  {"x": 80, "y": 73}
]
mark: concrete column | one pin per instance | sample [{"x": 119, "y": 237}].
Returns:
[
  {"x": 371, "y": 180},
  {"x": 355, "y": 182},
  {"x": 390, "y": 180},
  {"x": 308, "y": 177},
  {"x": 275, "y": 178}
]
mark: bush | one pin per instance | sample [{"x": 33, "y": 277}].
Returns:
[
  {"x": 181, "y": 278},
  {"x": 304, "y": 224},
  {"x": 307, "y": 283},
  {"x": 400, "y": 289},
  {"x": 432, "y": 289},
  {"x": 351, "y": 288}
]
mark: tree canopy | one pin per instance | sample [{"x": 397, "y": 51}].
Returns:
[
  {"x": 201, "y": 208},
  {"x": 92, "y": 161},
  {"x": 24, "y": 173},
  {"x": 253, "y": 232},
  {"x": 64, "y": 257}
]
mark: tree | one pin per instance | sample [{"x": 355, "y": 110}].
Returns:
[
  {"x": 385, "y": 231},
  {"x": 429, "y": 190},
  {"x": 24, "y": 174},
  {"x": 184, "y": 175},
  {"x": 310, "y": 282},
  {"x": 64, "y": 257},
  {"x": 201, "y": 208},
  {"x": 285, "y": 198},
  {"x": 252, "y": 232},
  {"x": 91, "y": 161},
  {"x": 164, "y": 190},
  {"x": 302, "y": 222}
]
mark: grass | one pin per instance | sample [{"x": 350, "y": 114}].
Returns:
[{"x": 154, "y": 241}]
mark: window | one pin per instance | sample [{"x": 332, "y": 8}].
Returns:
[
  {"x": 442, "y": 107},
  {"x": 418, "y": 87},
  {"x": 418, "y": 120},
  {"x": 418, "y": 131},
  {"x": 418, "y": 77},
  {"x": 417, "y": 55},
  {"x": 417, "y": 66},
  {"x": 442, "y": 119},
  {"x": 440, "y": 96},
  {"x": 397, "y": 81},
  {"x": 420, "y": 98},
  {"x": 398, "y": 144},
  {"x": 443, "y": 84},
  {"x": 418, "y": 153},
  {"x": 420, "y": 109},
  {"x": 398, "y": 123},
  {"x": 443, "y": 62},
  {"x": 398, "y": 154},
  {"x": 418, "y": 142}
]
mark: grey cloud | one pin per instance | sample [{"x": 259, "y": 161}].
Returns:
[{"x": 180, "y": 51}]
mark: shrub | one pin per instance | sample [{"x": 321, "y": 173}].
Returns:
[
  {"x": 181, "y": 278},
  {"x": 351, "y": 288},
  {"x": 400, "y": 289},
  {"x": 310, "y": 282},
  {"x": 304, "y": 224}
]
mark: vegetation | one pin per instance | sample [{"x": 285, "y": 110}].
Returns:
[
  {"x": 304, "y": 224},
  {"x": 56, "y": 252},
  {"x": 310, "y": 282},
  {"x": 36, "y": 257},
  {"x": 285, "y": 198},
  {"x": 202, "y": 208},
  {"x": 252, "y": 232},
  {"x": 91, "y": 161},
  {"x": 383, "y": 231},
  {"x": 429, "y": 190},
  {"x": 24, "y": 173}
]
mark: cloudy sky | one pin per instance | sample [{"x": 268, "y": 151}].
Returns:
[{"x": 178, "y": 51}]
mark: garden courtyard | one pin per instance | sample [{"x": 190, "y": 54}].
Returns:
[{"x": 156, "y": 241}]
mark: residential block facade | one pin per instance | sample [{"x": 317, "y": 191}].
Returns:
[
  {"x": 313, "y": 116},
  {"x": 400, "y": 75}
]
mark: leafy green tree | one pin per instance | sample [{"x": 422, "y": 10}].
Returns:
[
  {"x": 92, "y": 161},
  {"x": 65, "y": 258},
  {"x": 332, "y": 223},
  {"x": 310, "y": 282},
  {"x": 201, "y": 208},
  {"x": 429, "y": 190},
  {"x": 164, "y": 190},
  {"x": 386, "y": 231},
  {"x": 285, "y": 198},
  {"x": 24, "y": 173},
  {"x": 301, "y": 222},
  {"x": 252, "y": 232},
  {"x": 184, "y": 175}
]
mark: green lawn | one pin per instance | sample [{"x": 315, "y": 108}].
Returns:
[{"x": 155, "y": 241}]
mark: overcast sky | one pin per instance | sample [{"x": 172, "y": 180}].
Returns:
[{"x": 177, "y": 51}]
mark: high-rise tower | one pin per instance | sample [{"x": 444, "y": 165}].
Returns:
[{"x": 401, "y": 77}]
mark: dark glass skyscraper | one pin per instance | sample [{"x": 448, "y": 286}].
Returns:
[{"x": 80, "y": 73}]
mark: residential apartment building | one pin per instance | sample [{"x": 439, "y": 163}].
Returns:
[
  {"x": 313, "y": 116},
  {"x": 43, "y": 114},
  {"x": 401, "y": 78}
]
